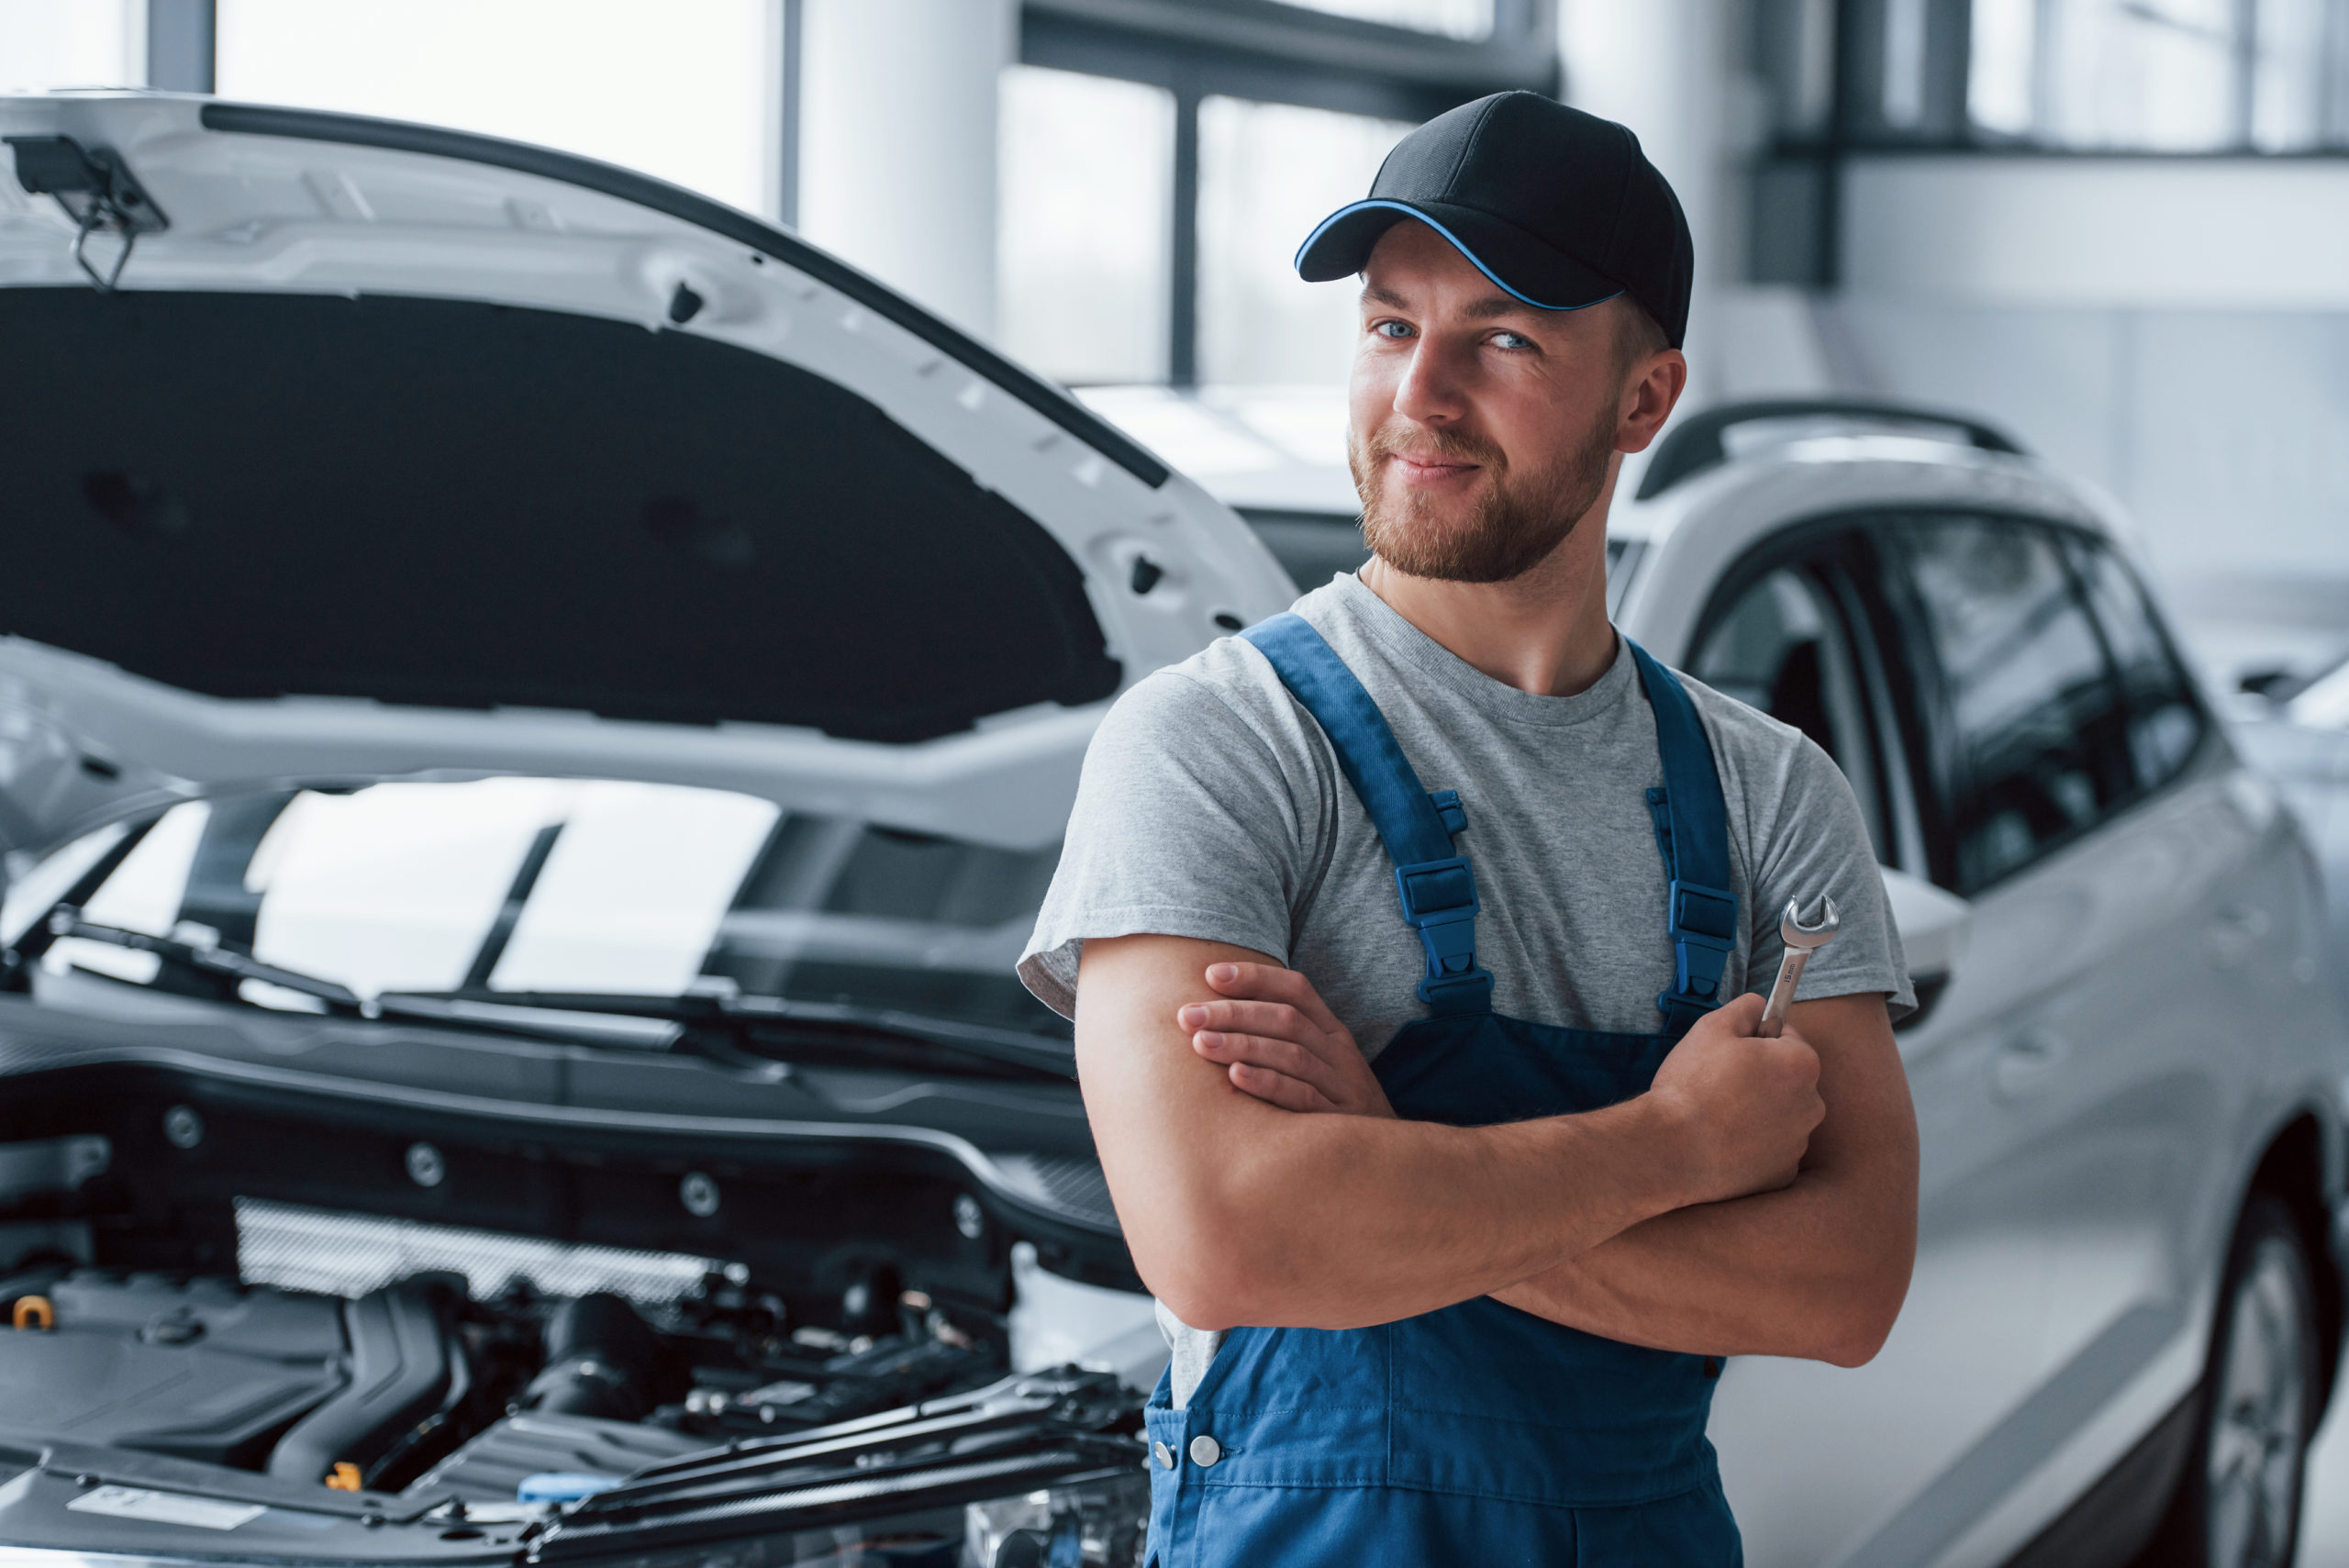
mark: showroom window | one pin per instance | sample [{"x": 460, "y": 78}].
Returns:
[
  {"x": 1268, "y": 173},
  {"x": 2175, "y": 76},
  {"x": 93, "y": 43},
  {"x": 1162, "y": 162},
  {"x": 686, "y": 91},
  {"x": 2142, "y": 78},
  {"x": 1451, "y": 18},
  {"x": 1082, "y": 242}
]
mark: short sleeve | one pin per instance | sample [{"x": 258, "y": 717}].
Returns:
[
  {"x": 1818, "y": 845},
  {"x": 1185, "y": 825}
]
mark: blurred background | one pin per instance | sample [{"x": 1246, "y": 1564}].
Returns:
[{"x": 2116, "y": 227}]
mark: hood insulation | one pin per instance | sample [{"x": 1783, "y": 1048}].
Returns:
[{"x": 464, "y": 505}]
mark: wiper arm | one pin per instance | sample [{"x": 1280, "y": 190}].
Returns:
[
  {"x": 67, "y": 921},
  {"x": 341, "y": 1000},
  {"x": 748, "y": 1014}
]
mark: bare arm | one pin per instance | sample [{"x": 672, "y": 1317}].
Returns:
[
  {"x": 1237, "y": 1211},
  {"x": 1816, "y": 1269}
]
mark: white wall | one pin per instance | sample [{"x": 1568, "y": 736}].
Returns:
[
  {"x": 2186, "y": 233},
  {"x": 897, "y": 143},
  {"x": 2175, "y": 331}
]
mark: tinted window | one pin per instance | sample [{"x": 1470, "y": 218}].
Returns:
[
  {"x": 2030, "y": 739},
  {"x": 2165, "y": 718},
  {"x": 1785, "y": 645}
]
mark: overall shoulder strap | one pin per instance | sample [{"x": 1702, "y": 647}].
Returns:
[
  {"x": 1692, "y": 830},
  {"x": 1438, "y": 889}
]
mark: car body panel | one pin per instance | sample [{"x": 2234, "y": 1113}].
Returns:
[{"x": 281, "y": 215}]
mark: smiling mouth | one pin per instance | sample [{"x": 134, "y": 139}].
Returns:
[{"x": 1427, "y": 470}]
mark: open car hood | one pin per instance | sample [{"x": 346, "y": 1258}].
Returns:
[{"x": 395, "y": 452}]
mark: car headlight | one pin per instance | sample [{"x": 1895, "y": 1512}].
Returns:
[{"x": 1090, "y": 1522}]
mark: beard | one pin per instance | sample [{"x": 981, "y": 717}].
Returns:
[{"x": 1510, "y": 526}]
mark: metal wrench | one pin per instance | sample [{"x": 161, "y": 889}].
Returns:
[{"x": 1801, "y": 942}]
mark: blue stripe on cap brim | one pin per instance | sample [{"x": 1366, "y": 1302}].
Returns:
[{"x": 1408, "y": 210}]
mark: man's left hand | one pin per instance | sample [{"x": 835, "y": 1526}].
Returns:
[{"x": 1277, "y": 1039}]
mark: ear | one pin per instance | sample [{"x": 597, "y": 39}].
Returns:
[{"x": 1651, "y": 391}]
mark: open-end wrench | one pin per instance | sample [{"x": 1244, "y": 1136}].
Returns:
[{"x": 1801, "y": 942}]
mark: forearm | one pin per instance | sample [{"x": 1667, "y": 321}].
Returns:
[
  {"x": 1817, "y": 1269},
  {"x": 1335, "y": 1222},
  {"x": 1814, "y": 1271},
  {"x": 1238, "y": 1212}
]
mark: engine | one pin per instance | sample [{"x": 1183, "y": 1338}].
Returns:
[{"x": 419, "y": 1384}]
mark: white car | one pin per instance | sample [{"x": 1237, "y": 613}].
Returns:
[
  {"x": 2129, "y": 1061},
  {"x": 535, "y": 711}
]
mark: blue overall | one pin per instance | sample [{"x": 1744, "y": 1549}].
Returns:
[{"x": 1479, "y": 1433}]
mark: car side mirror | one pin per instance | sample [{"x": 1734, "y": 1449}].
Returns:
[{"x": 1933, "y": 925}]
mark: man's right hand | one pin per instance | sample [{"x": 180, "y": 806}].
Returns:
[{"x": 1744, "y": 1106}]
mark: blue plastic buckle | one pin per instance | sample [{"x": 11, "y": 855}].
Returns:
[
  {"x": 1706, "y": 915},
  {"x": 1702, "y": 923},
  {"x": 1441, "y": 903}
]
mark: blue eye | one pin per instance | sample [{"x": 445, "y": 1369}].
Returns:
[
  {"x": 1512, "y": 341},
  {"x": 1399, "y": 329}
]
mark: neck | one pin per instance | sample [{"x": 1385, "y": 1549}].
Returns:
[{"x": 1544, "y": 632}]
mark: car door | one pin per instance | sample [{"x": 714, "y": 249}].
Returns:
[
  {"x": 1819, "y": 1463},
  {"x": 2081, "y": 1025}
]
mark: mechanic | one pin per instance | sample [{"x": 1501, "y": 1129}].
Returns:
[{"x": 1450, "y": 1216}]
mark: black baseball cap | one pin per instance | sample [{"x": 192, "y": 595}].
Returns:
[{"x": 1559, "y": 208}]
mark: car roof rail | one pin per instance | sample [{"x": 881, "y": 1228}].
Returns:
[{"x": 1699, "y": 442}]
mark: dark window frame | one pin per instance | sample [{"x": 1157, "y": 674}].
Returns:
[
  {"x": 1850, "y": 546},
  {"x": 1270, "y": 52},
  {"x": 1833, "y": 544},
  {"x": 1941, "y": 826}
]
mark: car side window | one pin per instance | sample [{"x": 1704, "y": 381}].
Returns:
[
  {"x": 2028, "y": 733},
  {"x": 2166, "y": 722},
  {"x": 1784, "y": 643}
]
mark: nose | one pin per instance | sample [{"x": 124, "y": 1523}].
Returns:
[{"x": 1429, "y": 391}]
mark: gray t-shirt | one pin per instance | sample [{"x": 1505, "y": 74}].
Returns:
[{"x": 1211, "y": 807}]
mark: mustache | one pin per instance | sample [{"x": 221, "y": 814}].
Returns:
[{"x": 1433, "y": 446}]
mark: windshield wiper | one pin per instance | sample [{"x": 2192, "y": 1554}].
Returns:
[
  {"x": 568, "y": 1015},
  {"x": 209, "y": 958},
  {"x": 745, "y": 1016},
  {"x": 339, "y": 1001}
]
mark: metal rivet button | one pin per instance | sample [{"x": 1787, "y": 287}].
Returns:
[
  {"x": 1165, "y": 1456},
  {"x": 1205, "y": 1450}
]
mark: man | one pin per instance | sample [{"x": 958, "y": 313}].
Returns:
[{"x": 1451, "y": 1217}]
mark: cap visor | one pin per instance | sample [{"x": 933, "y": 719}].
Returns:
[{"x": 1518, "y": 263}]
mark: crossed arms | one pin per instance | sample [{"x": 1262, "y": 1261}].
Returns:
[{"x": 1760, "y": 1199}]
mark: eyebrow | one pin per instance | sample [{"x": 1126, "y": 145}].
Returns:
[{"x": 1491, "y": 307}]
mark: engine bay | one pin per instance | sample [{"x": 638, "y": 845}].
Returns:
[
  {"x": 382, "y": 1391},
  {"x": 220, "y": 1316},
  {"x": 493, "y": 1423}
]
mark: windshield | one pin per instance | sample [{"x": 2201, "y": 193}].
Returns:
[{"x": 556, "y": 885}]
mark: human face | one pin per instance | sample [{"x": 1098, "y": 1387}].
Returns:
[{"x": 1482, "y": 429}]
